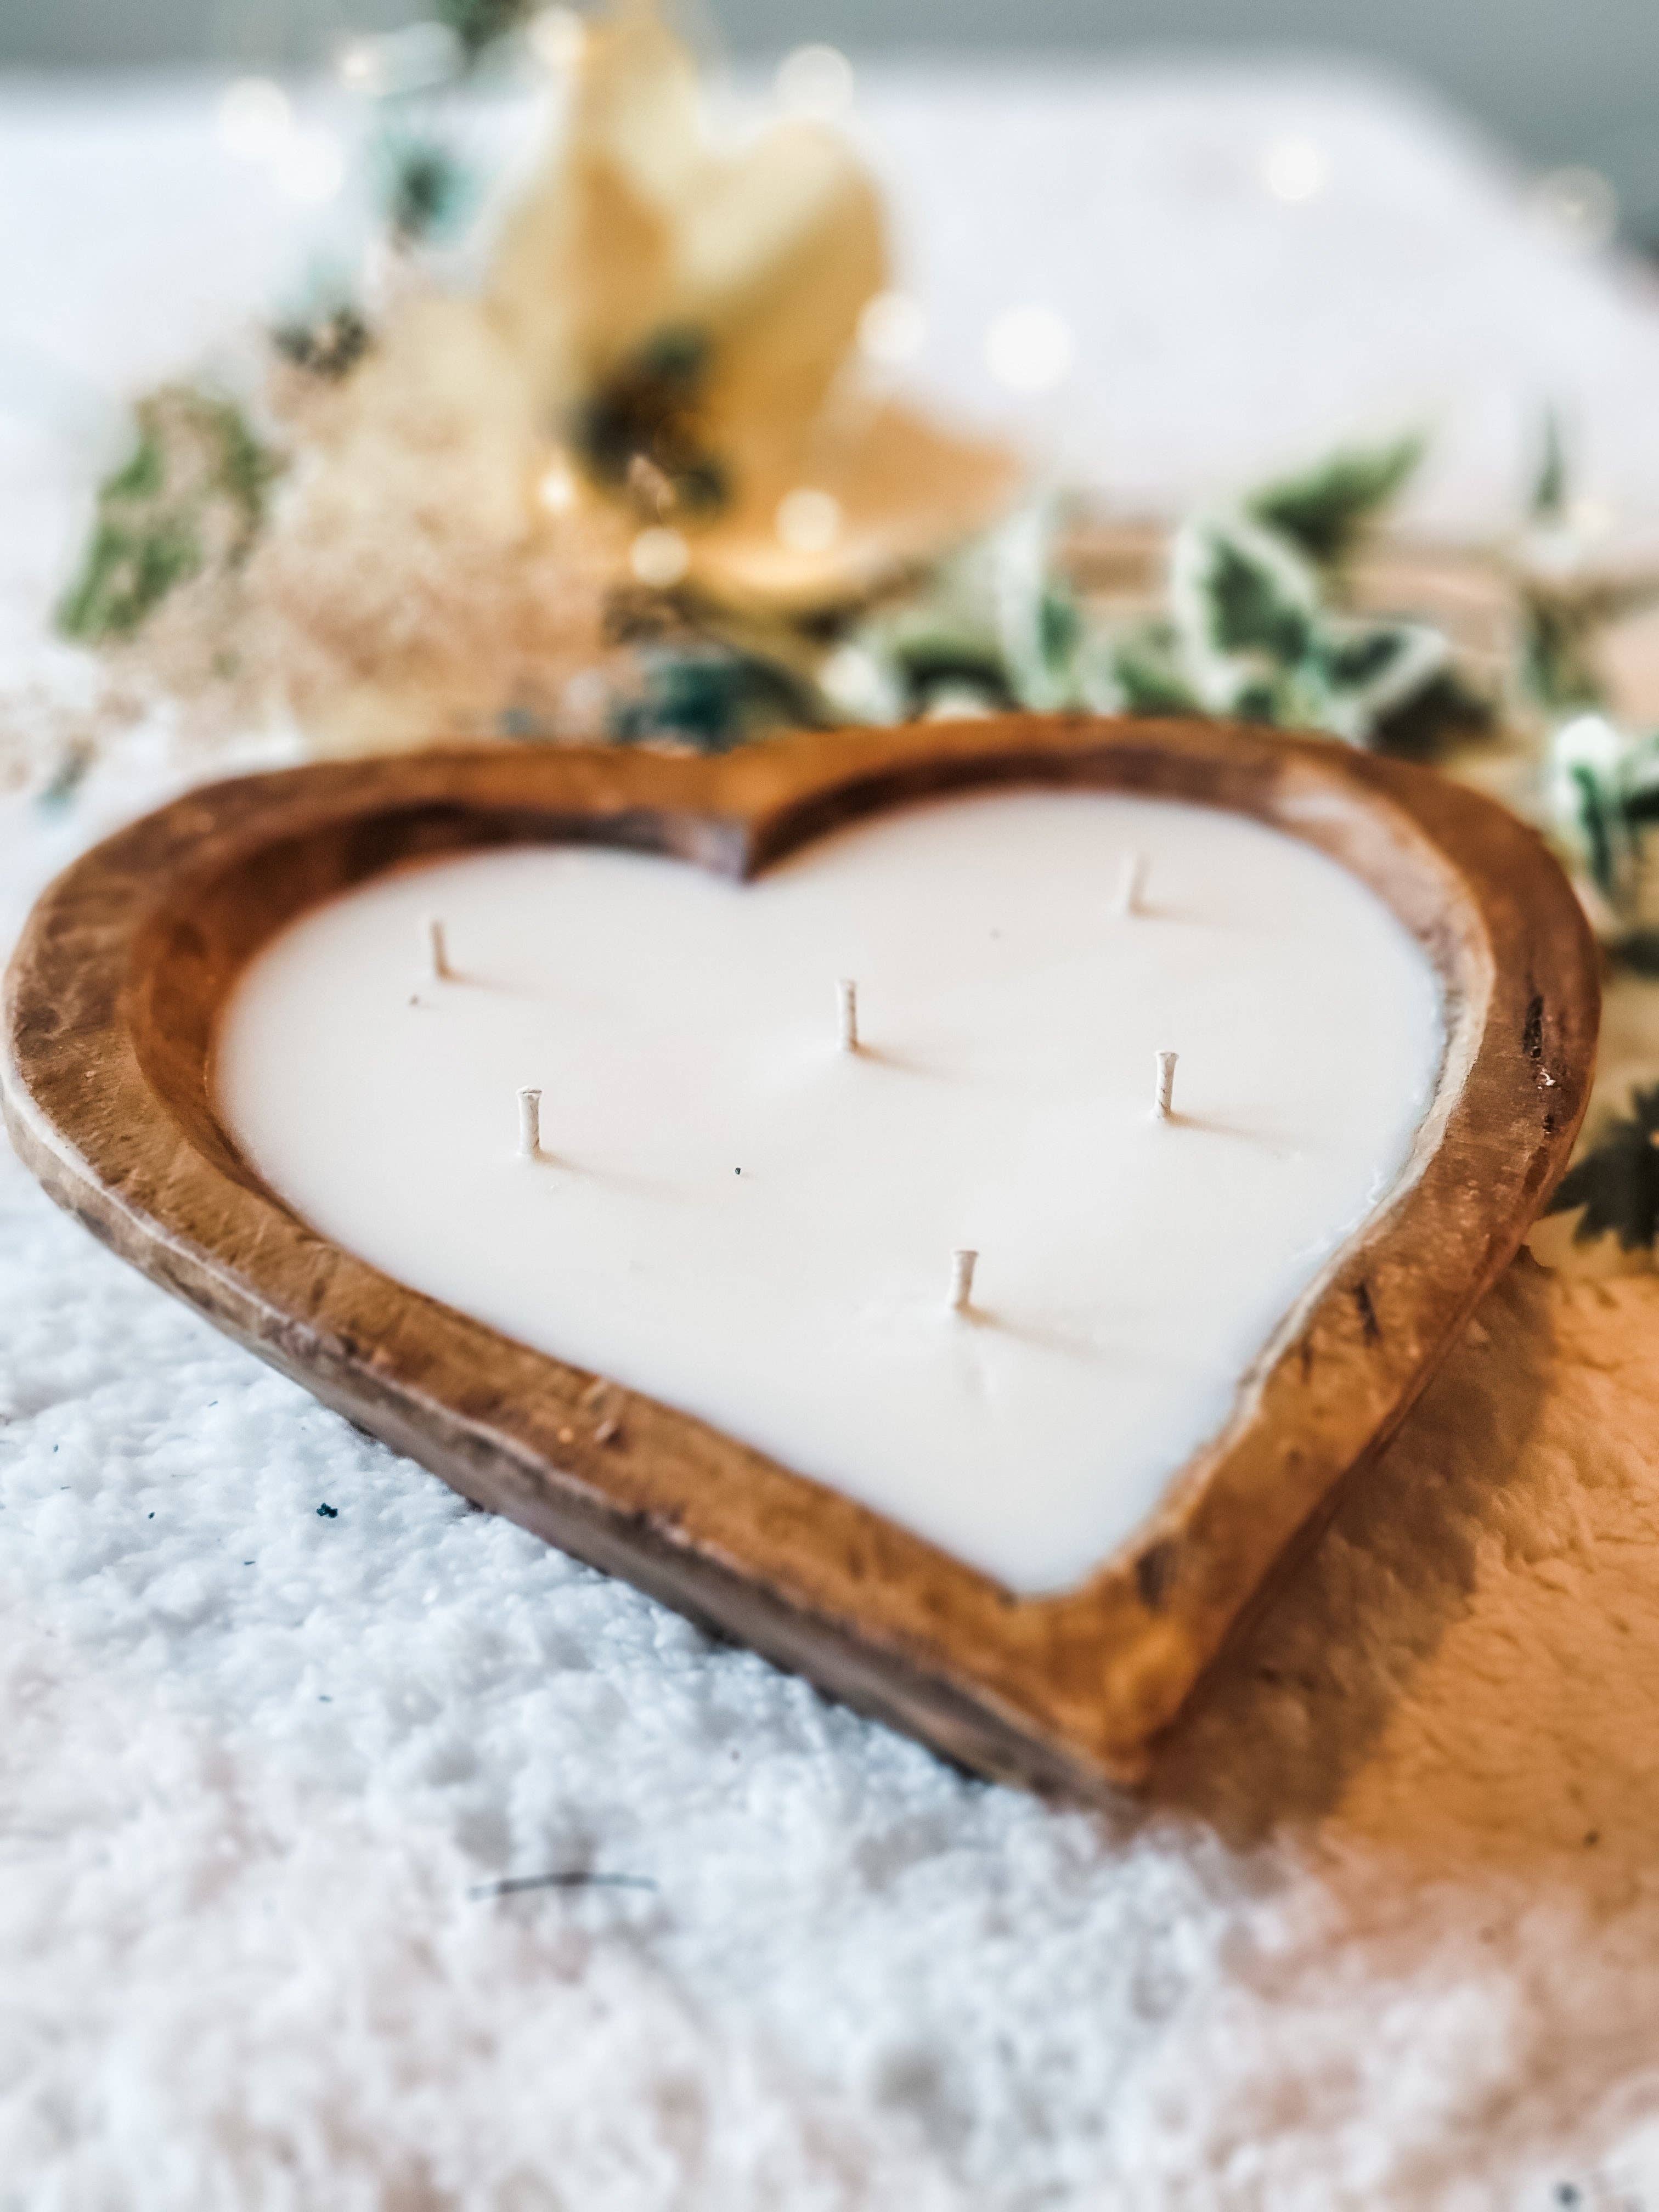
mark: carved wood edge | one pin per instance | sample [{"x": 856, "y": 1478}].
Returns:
[{"x": 110, "y": 1003}]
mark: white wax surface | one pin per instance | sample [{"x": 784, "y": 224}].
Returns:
[{"x": 740, "y": 1219}]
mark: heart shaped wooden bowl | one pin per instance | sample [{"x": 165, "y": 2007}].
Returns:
[{"x": 112, "y": 1002}]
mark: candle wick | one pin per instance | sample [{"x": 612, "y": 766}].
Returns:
[
  {"x": 530, "y": 1125},
  {"x": 963, "y": 1264},
  {"x": 438, "y": 949},
  {"x": 1132, "y": 884},
  {"x": 847, "y": 992},
  {"x": 1166, "y": 1068}
]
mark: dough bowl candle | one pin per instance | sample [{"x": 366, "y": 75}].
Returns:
[
  {"x": 746, "y": 1185},
  {"x": 955, "y": 1238}
]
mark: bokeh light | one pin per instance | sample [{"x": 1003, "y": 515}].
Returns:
[
  {"x": 310, "y": 166},
  {"x": 414, "y": 59},
  {"x": 1294, "y": 170},
  {"x": 1029, "y": 348},
  {"x": 892, "y": 330},
  {"x": 659, "y": 558},
  {"x": 558, "y": 490},
  {"x": 557, "y": 37},
  {"x": 815, "y": 81},
  {"x": 808, "y": 521},
  {"x": 1578, "y": 204},
  {"x": 255, "y": 119}
]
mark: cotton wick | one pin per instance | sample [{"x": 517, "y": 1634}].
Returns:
[
  {"x": 847, "y": 992},
  {"x": 530, "y": 1125},
  {"x": 1132, "y": 884},
  {"x": 438, "y": 948},
  {"x": 1166, "y": 1068},
  {"x": 962, "y": 1279}
]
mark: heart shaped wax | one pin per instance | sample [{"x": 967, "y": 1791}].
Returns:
[{"x": 740, "y": 1218}]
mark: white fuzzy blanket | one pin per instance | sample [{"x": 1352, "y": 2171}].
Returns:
[{"x": 1385, "y": 1932}]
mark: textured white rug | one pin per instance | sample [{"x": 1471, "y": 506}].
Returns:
[{"x": 1386, "y": 1932}]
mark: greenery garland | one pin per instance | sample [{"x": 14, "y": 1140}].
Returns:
[{"x": 1257, "y": 622}]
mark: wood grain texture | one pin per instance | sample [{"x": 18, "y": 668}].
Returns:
[{"x": 111, "y": 1005}]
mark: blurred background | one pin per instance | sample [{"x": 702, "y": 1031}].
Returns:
[
  {"x": 1557, "y": 81},
  {"x": 1293, "y": 358}
]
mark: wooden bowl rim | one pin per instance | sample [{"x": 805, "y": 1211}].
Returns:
[{"x": 110, "y": 1001}]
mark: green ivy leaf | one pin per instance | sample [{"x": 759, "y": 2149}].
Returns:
[
  {"x": 194, "y": 488},
  {"x": 1638, "y": 950},
  {"x": 1145, "y": 673},
  {"x": 648, "y": 410},
  {"x": 1252, "y": 635},
  {"x": 125, "y": 575},
  {"x": 1263, "y": 700},
  {"x": 1249, "y": 611},
  {"x": 1550, "y": 486},
  {"x": 1360, "y": 659},
  {"x": 1423, "y": 726},
  {"x": 1558, "y": 661},
  {"x": 479, "y": 23},
  {"x": 424, "y": 188},
  {"x": 928, "y": 672},
  {"x": 329, "y": 345},
  {"x": 710, "y": 697},
  {"x": 1595, "y": 817},
  {"x": 1604, "y": 792},
  {"x": 1324, "y": 510},
  {"x": 1617, "y": 1180}
]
